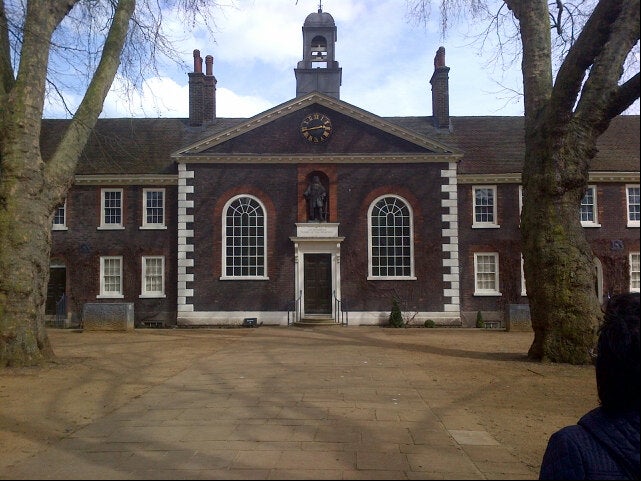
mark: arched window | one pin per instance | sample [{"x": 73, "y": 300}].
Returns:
[
  {"x": 391, "y": 253},
  {"x": 244, "y": 240},
  {"x": 598, "y": 267}
]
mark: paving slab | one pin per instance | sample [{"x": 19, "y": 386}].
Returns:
[{"x": 261, "y": 409}]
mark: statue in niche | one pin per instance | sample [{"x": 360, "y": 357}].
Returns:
[{"x": 316, "y": 196}]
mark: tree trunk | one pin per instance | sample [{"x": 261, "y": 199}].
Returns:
[
  {"x": 29, "y": 188},
  {"x": 25, "y": 232},
  {"x": 558, "y": 261}
]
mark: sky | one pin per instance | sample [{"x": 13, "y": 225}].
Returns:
[{"x": 386, "y": 59}]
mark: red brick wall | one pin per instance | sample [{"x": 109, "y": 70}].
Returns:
[
  {"x": 81, "y": 246},
  {"x": 352, "y": 188},
  {"x": 612, "y": 215}
]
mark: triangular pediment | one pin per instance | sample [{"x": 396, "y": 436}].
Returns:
[{"x": 278, "y": 135}]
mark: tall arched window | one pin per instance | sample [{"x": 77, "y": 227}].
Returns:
[
  {"x": 391, "y": 253},
  {"x": 244, "y": 239},
  {"x": 598, "y": 267}
]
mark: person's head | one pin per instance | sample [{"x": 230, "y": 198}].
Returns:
[{"x": 617, "y": 361}]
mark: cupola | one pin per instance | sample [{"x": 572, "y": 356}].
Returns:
[{"x": 319, "y": 71}]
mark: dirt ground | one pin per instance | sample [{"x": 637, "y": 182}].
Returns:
[{"x": 520, "y": 403}]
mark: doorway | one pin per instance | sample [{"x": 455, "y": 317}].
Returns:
[
  {"x": 56, "y": 288},
  {"x": 318, "y": 283}
]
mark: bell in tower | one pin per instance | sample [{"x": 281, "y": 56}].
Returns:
[
  {"x": 319, "y": 51},
  {"x": 318, "y": 71}
]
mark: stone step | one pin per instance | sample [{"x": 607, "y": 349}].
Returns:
[{"x": 313, "y": 321}]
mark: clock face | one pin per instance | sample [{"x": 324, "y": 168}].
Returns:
[{"x": 316, "y": 128}]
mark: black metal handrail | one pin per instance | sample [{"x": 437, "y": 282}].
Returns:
[
  {"x": 341, "y": 315},
  {"x": 61, "y": 311},
  {"x": 294, "y": 310}
]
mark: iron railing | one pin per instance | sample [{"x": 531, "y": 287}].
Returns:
[
  {"x": 295, "y": 309},
  {"x": 341, "y": 315},
  {"x": 61, "y": 311}
]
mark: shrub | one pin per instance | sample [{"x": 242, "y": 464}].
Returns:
[
  {"x": 429, "y": 323},
  {"x": 395, "y": 317},
  {"x": 479, "y": 319}
]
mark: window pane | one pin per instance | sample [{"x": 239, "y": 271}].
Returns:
[
  {"x": 247, "y": 238},
  {"x": 59, "y": 216},
  {"x": 153, "y": 274},
  {"x": 486, "y": 273},
  {"x": 112, "y": 275},
  {"x": 390, "y": 227},
  {"x": 587, "y": 206},
  {"x": 634, "y": 211},
  {"x": 635, "y": 281},
  {"x": 484, "y": 205},
  {"x": 154, "y": 206},
  {"x": 112, "y": 207}
]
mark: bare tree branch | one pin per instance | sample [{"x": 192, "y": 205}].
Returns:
[
  {"x": 581, "y": 56},
  {"x": 61, "y": 96},
  {"x": 63, "y": 163},
  {"x": 624, "y": 97},
  {"x": 7, "y": 78},
  {"x": 602, "y": 82},
  {"x": 557, "y": 20}
]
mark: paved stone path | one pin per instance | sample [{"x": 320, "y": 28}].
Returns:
[{"x": 308, "y": 404}]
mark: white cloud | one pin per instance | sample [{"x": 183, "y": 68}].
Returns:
[
  {"x": 159, "y": 97},
  {"x": 163, "y": 97},
  {"x": 387, "y": 63},
  {"x": 230, "y": 104}
]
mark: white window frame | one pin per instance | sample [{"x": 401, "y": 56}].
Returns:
[
  {"x": 486, "y": 292},
  {"x": 144, "y": 293},
  {"x": 104, "y": 294},
  {"x": 634, "y": 272},
  {"x": 485, "y": 225},
  {"x": 523, "y": 286},
  {"x": 370, "y": 266},
  {"x": 111, "y": 226},
  {"x": 63, "y": 226},
  {"x": 224, "y": 275},
  {"x": 153, "y": 225},
  {"x": 631, "y": 223},
  {"x": 520, "y": 203},
  {"x": 595, "y": 208}
]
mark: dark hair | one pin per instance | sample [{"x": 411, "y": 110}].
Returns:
[{"x": 617, "y": 361}]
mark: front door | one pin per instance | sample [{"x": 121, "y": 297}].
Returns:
[
  {"x": 318, "y": 283},
  {"x": 56, "y": 288}
]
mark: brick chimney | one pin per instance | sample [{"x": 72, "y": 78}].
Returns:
[
  {"x": 440, "y": 91},
  {"x": 210, "y": 90},
  {"x": 202, "y": 91}
]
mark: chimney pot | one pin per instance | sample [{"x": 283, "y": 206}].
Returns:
[
  {"x": 196, "y": 91},
  {"x": 198, "y": 62},
  {"x": 209, "y": 62},
  {"x": 439, "y": 59},
  {"x": 440, "y": 91},
  {"x": 209, "y": 92}
]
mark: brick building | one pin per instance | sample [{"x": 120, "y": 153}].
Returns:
[{"x": 317, "y": 206}]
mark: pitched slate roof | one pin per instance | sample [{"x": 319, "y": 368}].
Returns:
[
  {"x": 489, "y": 144},
  {"x": 619, "y": 146},
  {"x": 130, "y": 146},
  {"x": 496, "y": 145}
]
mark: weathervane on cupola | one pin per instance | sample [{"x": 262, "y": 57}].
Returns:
[
  {"x": 320, "y": 5},
  {"x": 319, "y": 71}
]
